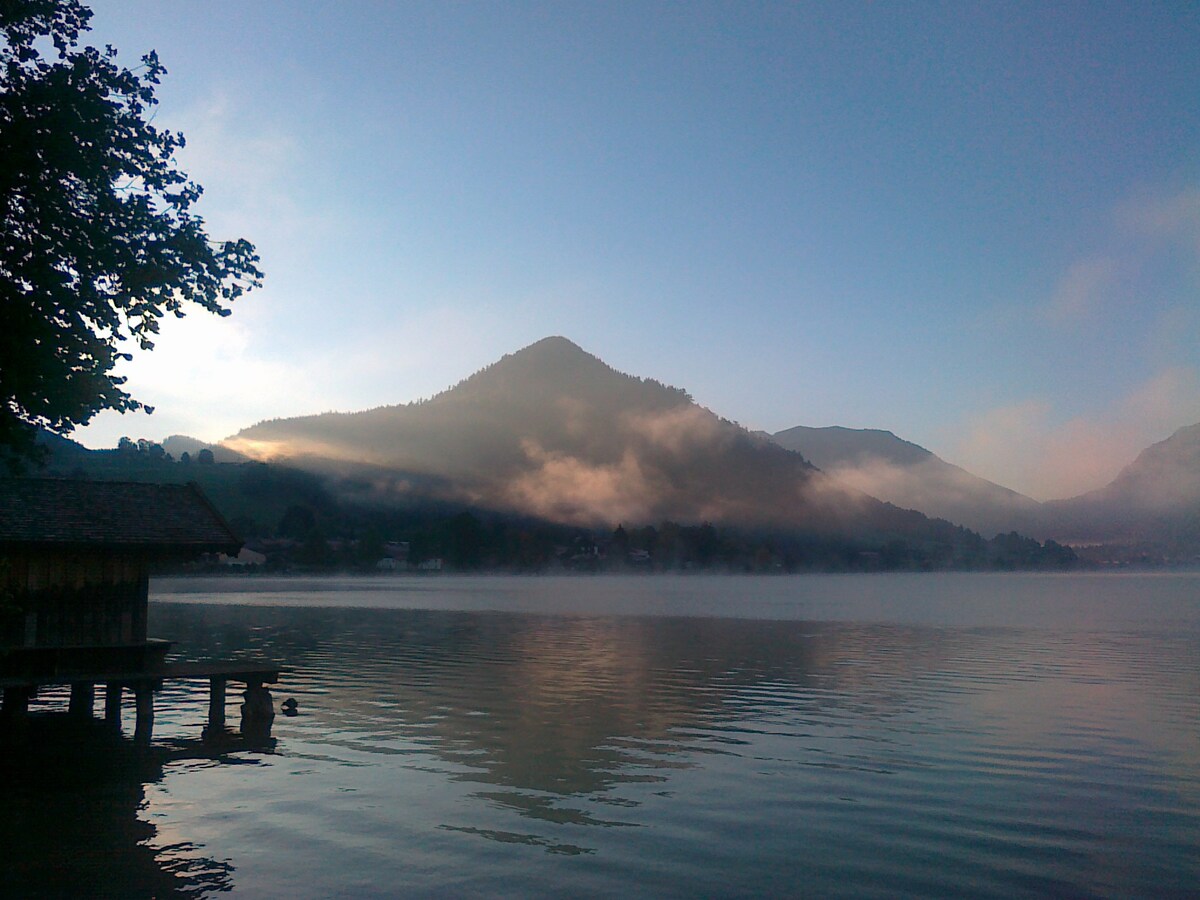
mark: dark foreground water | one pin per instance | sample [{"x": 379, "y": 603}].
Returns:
[{"x": 939, "y": 735}]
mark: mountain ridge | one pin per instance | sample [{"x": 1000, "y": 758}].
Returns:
[
  {"x": 883, "y": 465},
  {"x": 551, "y": 430},
  {"x": 554, "y": 432},
  {"x": 1155, "y": 498}
]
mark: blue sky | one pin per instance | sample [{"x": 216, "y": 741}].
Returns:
[{"x": 976, "y": 225}]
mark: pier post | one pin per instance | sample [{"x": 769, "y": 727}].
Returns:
[
  {"x": 16, "y": 703},
  {"x": 258, "y": 710},
  {"x": 216, "y": 703},
  {"x": 144, "y": 696},
  {"x": 83, "y": 700},
  {"x": 112, "y": 704},
  {"x": 14, "y": 712}
]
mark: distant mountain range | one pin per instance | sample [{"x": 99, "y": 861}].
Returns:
[
  {"x": 1154, "y": 500},
  {"x": 554, "y": 433},
  {"x": 882, "y": 465},
  {"x": 551, "y": 431}
]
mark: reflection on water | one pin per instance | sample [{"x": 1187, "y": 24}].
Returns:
[
  {"x": 481, "y": 752},
  {"x": 71, "y": 823}
]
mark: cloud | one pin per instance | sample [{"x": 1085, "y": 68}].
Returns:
[
  {"x": 246, "y": 167},
  {"x": 1159, "y": 402},
  {"x": 935, "y": 488},
  {"x": 678, "y": 430},
  {"x": 205, "y": 377},
  {"x": 1173, "y": 217},
  {"x": 657, "y": 465},
  {"x": 1143, "y": 231},
  {"x": 209, "y": 376},
  {"x": 571, "y": 489},
  {"x": 1020, "y": 447},
  {"x": 641, "y": 484},
  {"x": 1023, "y": 446},
  {"x": 1081, "y": 290}
]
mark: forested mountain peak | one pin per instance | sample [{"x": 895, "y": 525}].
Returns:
[
  {"x": 553, "y": 431},
  {"x": 556, "y": 367}
]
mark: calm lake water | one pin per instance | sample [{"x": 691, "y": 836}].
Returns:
[{"x": 922, "y": 735}]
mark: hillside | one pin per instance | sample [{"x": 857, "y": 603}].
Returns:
[
  {"x": 530, "y": 464},
  {"x": 551, "y": 431},
  {"x": 1155, "y": 499},
  {"x": 879, "y": 463},
  {"x": 179, "y": 444}
]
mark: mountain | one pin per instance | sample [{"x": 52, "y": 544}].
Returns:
[
  {"x": 828, "y": 448},
  {"x": 553, "y": 432},
  {"x": 60, "y": 450},
  {"x": 877, "y": 462},
  {"x": 179, "y": 444},
  {"x": 1153, "y": 500}
]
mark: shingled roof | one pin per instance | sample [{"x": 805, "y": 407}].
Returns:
[{"x": 172, "y": 517}]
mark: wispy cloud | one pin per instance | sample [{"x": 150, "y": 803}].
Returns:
[
  {"x": 1173, "y": 216},
  {"x": 936, "y": 489},
  {"x": 678, "y": 430},
  {"x": 1141, "y": 230},
  {"x": 209, "y": 376},
  {"x": 1025, "y": 447},
  {"x": 572, "y": 489},
  {"x": 247, "y": 167},
  {"x": 205, "y": 377},
  {"x": 1081, "y": 290}
]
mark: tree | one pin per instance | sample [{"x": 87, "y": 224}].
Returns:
[
  {"x": 98, "y": 237},
  {"x": 464, "y": 541},
  {"x": 370, "y": 546},
  {"x": 296, "y": 523}
]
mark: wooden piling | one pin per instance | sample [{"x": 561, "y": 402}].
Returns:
[
  {"x": 144, "y": 698},
  {"x": 112, "y": 703},
  {"x": 16, "y": 702},
  {"x": 216, "y": 703},
  {"x": 83, "y": 700},
  {"x": 18, "y": 690}
]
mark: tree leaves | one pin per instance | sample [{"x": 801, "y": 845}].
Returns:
[{"x": 98, "y": 237}]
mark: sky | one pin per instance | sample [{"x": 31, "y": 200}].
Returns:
[{"x": 976, "y": 225}]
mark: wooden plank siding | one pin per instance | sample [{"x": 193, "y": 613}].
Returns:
[
  {"x": 74, "y": 598},
  {"x": 75, "y": 556}
]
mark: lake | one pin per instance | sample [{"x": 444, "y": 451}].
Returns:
[{"x": 876, "y": 735}]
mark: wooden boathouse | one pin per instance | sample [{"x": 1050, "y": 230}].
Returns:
[{"x": 75, "y": 560}]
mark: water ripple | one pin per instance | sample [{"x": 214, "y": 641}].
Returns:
[{"x": 472, "y": 752}]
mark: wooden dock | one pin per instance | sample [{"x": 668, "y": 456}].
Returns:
[
  {"x": 75, "y": 563},
  {"x": 142, "y": 682}
]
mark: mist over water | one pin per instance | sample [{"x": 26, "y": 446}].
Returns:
[
  {"x": 1070, "y": 601},
  {"x": 843, "y": 735}
]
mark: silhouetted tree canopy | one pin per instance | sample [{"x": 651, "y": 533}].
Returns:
[
  {"x": 98, "y": 238},
  {"x": 298, "y": 522}
]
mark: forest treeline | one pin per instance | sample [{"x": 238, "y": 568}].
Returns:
[{"x": 300, "y": 521}]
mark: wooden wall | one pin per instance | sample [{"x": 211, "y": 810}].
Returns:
[{"x": 60, "y": 598}]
